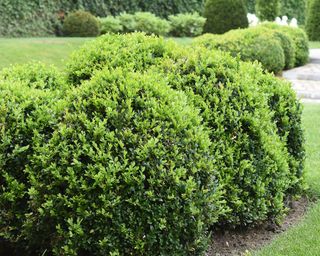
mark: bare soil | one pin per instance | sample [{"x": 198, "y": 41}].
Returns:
[{"x": 238, "y": 242}]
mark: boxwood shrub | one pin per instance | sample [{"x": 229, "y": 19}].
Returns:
[
  {"x": 251, "y": 44},
  {"x": 152, "y": 144},
  {"x": 168, "y": 57},
  {"x": 300, "y": 40},
  {"x": 126, "y": 170}
]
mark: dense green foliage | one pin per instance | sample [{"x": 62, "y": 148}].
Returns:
[
  {"x": 145, "y": 22},
  {"x": 267, "y": 10},
  {"x": 186, "y": 25},
  {"x": 224, "y": 15},
  {"x": 180, "y": 25},
  {"x": 110, "y": 24},
  {"x": 39, "y": 18},
  {"x": 110, "y": 178},
  {"x": 81, "y": 24},
  {"x": 251, "y": 44},
  {"x": 276, "y": 47},
  {"x": 250, "y": 4},
  {"x": 290, "y": 8},
  {"x": 313, "y": 20},
  {"x": 300, "y": 41},
  {"x": 169, "y": 58},
  {"x": 294, "y": 9},
  {"x": 147, "y": 146}
]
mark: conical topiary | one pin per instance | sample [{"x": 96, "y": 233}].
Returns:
[{"x": 224, "y": 15}]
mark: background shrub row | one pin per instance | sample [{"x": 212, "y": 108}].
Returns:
[
  {"x": 43, "y": 17},
  {"x": 180, "y": 25},
  {"x": 275, "y": 47},
  {"x": 142, "y": 147}
]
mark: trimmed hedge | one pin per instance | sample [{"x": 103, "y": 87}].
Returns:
[
  {"x": 127, "y": 170},
  {"x": 42, "y": 18},
  {"x": 254, "y": 44},
  {"x": 150, "y": 146},
  {"x": 195, "y": 70},
  {"x": 224, "y": 15},
  {"x": 300, "y": 40},
  {"x": 275, "y": 47}
]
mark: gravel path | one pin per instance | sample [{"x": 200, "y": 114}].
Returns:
[{"x": 306, "y": 79}]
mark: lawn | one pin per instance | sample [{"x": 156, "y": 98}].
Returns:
[
  {"x": 304, "y": 239},
  {"x": 47, "y": 50}
]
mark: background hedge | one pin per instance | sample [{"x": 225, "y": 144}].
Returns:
[
  {"x": 291, "y": 8},
  {"x": 42, "y": 17}
]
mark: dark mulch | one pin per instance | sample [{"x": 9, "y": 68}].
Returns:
[{"x": 237, "y": 242}]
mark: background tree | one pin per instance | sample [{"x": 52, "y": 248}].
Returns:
[
  {"x": 313, "y": 20},
  {"x": 224, "y": 15},
  {"x": 268, "y": 10}
]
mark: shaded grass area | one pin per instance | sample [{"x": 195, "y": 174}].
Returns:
[
  {"x": 52, "y": 51},
  {"x": 304, "y": 239},
  {"x": 314, "y": 45}
]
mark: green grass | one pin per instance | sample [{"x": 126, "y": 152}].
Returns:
[
  {"x": 304, "y": 239},
  {"x": 314, "y": 45},
  {"x": 47, "y": 50}
]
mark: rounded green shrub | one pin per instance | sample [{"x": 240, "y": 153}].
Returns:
[
  {"x": 186, "y": 24},
  {"x": 313, "y": 20},
  {"x": 300, "y": 40},
  {"x": 233, "y": 106},
  {"x": 287, "y": 114},
  {"x": 268, "y": 10},
  {"x": 126, "y": 171},
  {"x": 287, "y": 45},
  {"x": 251, "y": 44},
  {"x": 110, "y": 24},
  {"x": 224, "y": 15},
  {"x": 252, "y": 159},
  {"x": 81, "y": 24}
]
